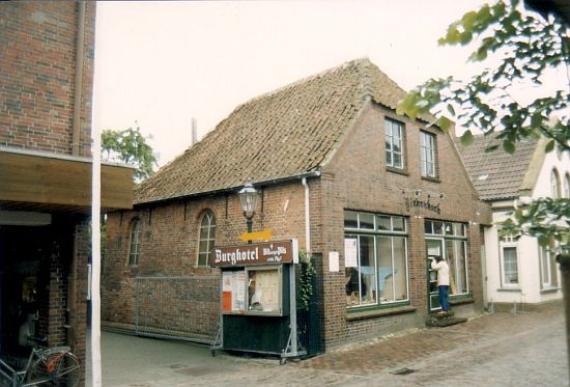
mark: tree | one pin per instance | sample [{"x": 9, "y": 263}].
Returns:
[
  {"x": 526, "y": 46},
  {"x": 129, "y": 146}
]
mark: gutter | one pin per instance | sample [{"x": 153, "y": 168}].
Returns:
[
  {"x": 275, "y": 181},
  {"x": 79, "y": 50}
]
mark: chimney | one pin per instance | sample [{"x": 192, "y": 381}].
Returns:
[{"x": 194, "y": 138}]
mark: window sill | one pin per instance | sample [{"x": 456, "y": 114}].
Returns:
[
  {"x": 398, "y": 171},
  {"x": 515, "y": 290},
  {"x": 432, "y": 179},
  {"x": 549, "y": 290},
  {"x": 371, "y": 313}
]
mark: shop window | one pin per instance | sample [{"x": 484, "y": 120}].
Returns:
[
  {"x": 135, "y": 245},
  {"x": 207, "y": 238},
  {"x": 448, "y": 239},
  {"x": 428, "y": 155},
  {"x": 376, "y": 260},
  {"x": 263, "y": 290},
  {"x": 394, "y": 143},
  {"x": 555, "y": 184},
  {"x": 510, "y": 272},
  {"x": 548, "y": 268},
  {"x": 567, "y": 186}
]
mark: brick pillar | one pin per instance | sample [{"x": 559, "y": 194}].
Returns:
[{"x": 77, "y": 293}]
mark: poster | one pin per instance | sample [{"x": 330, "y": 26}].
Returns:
[
  {"x": 233, "y": 291},
  {"x": 350, "y": 253},
  {"x": 334, "y": 265},
  {"x": 267, "y": 289}
]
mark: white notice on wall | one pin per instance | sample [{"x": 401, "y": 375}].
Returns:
[
  {"x": 333, "y": 262},
  {"x": 238, "y": 291},
  {"x": 350, "y": 256}
]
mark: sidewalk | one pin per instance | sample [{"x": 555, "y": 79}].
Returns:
[{"x": 502, "y": 349}]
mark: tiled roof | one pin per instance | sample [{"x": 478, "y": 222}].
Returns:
[
  {"x": 497, "y": 175},
  {"x": 284, "y": 133}
]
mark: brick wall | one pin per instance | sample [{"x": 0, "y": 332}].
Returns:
[
  {"x": 37, "y": 62},
  {"x": 169, "y": 249}
]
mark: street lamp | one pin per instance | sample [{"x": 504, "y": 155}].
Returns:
[{"x": 248, "y": 201}]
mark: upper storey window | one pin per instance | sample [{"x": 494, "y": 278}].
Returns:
[
  {"x": 428, "y": 154},
  {"x": 555, "y": 184},
  {"x": 207, "y": 238},
  {"x": 394, "y": 140}
]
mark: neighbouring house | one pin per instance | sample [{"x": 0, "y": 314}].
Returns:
[
  {"x": 368, "y": 193},
  {"x": 517, "y": 271},
  {"x": 46, "y": 72}
]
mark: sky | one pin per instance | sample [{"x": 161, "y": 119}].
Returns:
[{"x": 161, "y": 63}]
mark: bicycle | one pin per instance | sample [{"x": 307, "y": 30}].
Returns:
[{"x": 55, "y": 366}]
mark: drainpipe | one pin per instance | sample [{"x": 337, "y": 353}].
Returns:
[
  {"x": 307, "y": 221},
  {"x": 79, "y": 50}
]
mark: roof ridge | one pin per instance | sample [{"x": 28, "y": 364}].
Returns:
[{"x": 354, "y": 62}]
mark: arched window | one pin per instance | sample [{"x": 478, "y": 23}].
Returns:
[
  {"x": 135, "y": 245},
  {"x": 567, "y": 185},
  {"x": 207, "y": 238},
  {"x": 555, "y": 184}
]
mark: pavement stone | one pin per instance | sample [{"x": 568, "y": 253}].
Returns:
[{"x": 500, "y": 349}]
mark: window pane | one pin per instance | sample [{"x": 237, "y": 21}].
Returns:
[
  {"x": 350, "y": 219},
  {"x": 385, "y": 269},
  {"x": 553, "y": 270},
  {"x": 461, "y": 267},
  {"x": 448, "y": 228},
  {"x": 367, "y": 271},
  {"x": 398, "y": 223},
  {"x": 367, "y": 221},
  {"x": 428, "y": 227},
  {"x": 437, "y": 228},
  {"x": 397, "y": 160},
  {"x": 510, "y": 265},
  {"x": 383, "y": 223},
  {"x": 207, "y": 238},
  {"x": 401, "y": 291},
  {"x": 389, "y": 158},
  {"x": 454, "y": 285},
  {"x": 545, "y": 255},
  {"x": 458, "y": 229}
]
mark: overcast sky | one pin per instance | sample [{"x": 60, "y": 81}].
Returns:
[{"x": 161, "y": 63}]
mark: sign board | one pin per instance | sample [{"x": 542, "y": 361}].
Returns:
[
  {"x": 263, "y": 235},
  {"x": 268, "y": 253},
  {"x": 350, "y": 253}
]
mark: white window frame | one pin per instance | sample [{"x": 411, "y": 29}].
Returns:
[
  {"x": 545, "y": 252},
  {"x": 445, "y": 237},
  {"x": 428, "y": 154},
  {"x": 390, "y": 138},
  {"x": 555, "y": 184},
  {"x": 375, "y": 233},
  {"x": 504, "y": 283},
  {"x": 209, "y": 238}
]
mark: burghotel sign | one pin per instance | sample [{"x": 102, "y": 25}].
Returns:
[{"x": 269, "y": 253}]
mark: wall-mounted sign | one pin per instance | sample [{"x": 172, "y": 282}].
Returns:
[
  {"x": 264, "y": 235},
  {"x": 269, "y": 253},
  {"x": 419, "y": 203}
]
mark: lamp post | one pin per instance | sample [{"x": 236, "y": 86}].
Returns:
[{"x": 248, "y": 201}]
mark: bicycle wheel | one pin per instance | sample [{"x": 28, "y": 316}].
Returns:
[{"x": 60, "y": 369}]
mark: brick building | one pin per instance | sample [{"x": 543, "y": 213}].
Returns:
[
  {"x": 46, "y": 77},
  {"x": 337, "y": 169}
]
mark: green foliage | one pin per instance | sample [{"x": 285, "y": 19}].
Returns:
[
  {"x": 129, "y": 146},
  {"x": 308, "y": 274},
  {"x": 525, "y": 46}
]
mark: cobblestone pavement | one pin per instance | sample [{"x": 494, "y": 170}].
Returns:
[{"x": 502, "y": 349}]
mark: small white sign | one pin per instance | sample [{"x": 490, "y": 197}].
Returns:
[
  {"x": 350, "y": 253},
  {"x": 334, "y": 265}
]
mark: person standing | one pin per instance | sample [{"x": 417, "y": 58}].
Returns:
[{"x": 438, "y": 264}]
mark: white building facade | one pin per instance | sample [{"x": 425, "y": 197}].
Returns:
[{"x": 518, "y": 271}]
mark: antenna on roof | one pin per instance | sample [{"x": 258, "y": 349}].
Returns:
[{"x": 194, "y": 138}]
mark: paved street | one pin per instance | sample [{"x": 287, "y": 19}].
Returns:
[{"x": 502, "y": 349}]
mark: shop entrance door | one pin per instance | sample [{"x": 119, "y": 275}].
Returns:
[{"x": 434, "y": 248}]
